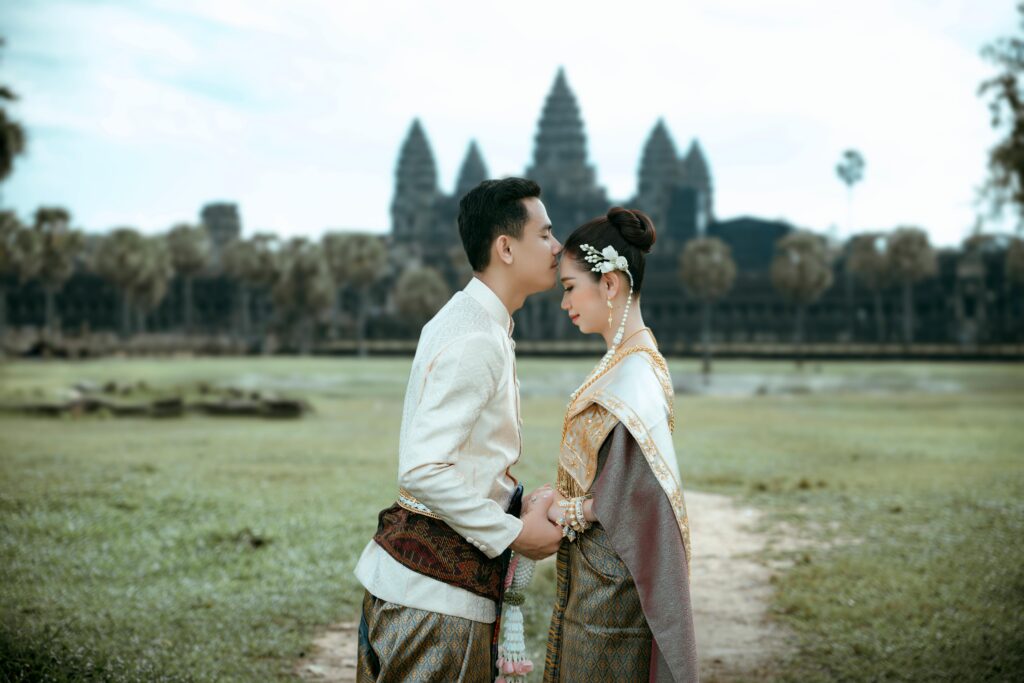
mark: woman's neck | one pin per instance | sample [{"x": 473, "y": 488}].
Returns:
[{"x": 634, "y": 323}]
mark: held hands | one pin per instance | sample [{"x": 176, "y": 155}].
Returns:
[
  {"x": 554, "y": 511},
  {"x": 539, "y": 537}
]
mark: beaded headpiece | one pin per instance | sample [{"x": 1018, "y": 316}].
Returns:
[{"x": 606, "y": 261}]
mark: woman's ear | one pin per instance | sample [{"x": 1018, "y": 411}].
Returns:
[{"x": 610, "y": 285}]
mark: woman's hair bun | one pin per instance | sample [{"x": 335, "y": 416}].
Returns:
[{"x": 635, "y": 226}]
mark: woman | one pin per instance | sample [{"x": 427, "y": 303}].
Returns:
[{"x": 622, "y": 611}]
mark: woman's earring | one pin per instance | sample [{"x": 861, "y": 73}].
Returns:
[{"x": 609, "y": 314}]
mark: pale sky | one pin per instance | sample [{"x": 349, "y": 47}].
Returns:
[{"x": 140, "y": 112}]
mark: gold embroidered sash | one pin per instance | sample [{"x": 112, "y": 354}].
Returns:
[{"x": 636, "y": 390}]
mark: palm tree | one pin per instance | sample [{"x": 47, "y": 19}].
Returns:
[
  {"x": 151, "y": 286},
  {"x": 59, "y": 248},
  {"x": 190, "y": 249},
  {"x": 120, "y": 259},
  {"x": 850, "y": 170},
  {"x": 865, "y": 260},
  {"x": 1006, "y": 104},
  {"x": 420, "y": 293},
  {"x": 252, "y": 263},
  {"x": 910, "y": 258},
  {"x": 19, "y": 257},
  {"x": 1014, "y": 265},
  {"x": 801, "y": 272},
  {"x": 335, "y": 249},
  {"x": 708, "y": 273},
  {"x": 12, "y": 135},
  {"x": 1015, "y": 261},
  {"x": 304, "y": 289},
  {"x": 363, "y": 260}
]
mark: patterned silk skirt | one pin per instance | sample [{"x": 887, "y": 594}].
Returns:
[
  {"x": 402, "y": 644},
  {"x": 598, "y": 631}
]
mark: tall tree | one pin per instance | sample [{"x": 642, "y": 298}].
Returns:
[
  {"x": 801, "y": 271},
  {"x": 303, "y": 291},
  {"x": 253, "y": 264},
  {"x": 12, "y": 134},
  {"x": 364, "y": 259},
  {"x": 59, "y": 245},
  {"x": 120, "y": 259},
  {"x": 708, "y": 273},
  {"x": 19, "y": 257},
  {"x": 866, "y": 261},
  {"x": 850, "y": 170},
  {"x": 1014, "y": 272},
  {"x": 151, "y": 287},
  {"x": 420, "y": 293},
  {"x": 336, "y": 252},
  {"x": 910, "y": 259},
  {"x": 1015, "y": 261},
  {"x": 1006, "y": 104},
  {"x": 190, "y": 249}
]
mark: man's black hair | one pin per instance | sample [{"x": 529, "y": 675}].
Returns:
[{"x": 492, "y": 208}]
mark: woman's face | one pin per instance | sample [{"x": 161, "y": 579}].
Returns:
[{"x": 584, "y": 299}]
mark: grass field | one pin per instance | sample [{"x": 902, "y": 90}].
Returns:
[{"x": 215, "y": 548}]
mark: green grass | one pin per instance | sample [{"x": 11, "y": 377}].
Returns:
[{"x": 215, "y": 548}]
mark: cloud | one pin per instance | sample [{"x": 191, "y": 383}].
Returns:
[{"x": 297, "y": 112}]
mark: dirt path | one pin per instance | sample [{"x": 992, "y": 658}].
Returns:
[{"x": 730, "y": 590}]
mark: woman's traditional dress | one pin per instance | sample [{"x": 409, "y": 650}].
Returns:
[{"x": 622, "y": 609}]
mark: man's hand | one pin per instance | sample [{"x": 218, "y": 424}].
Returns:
[
  {"x": 539, "y": 537},
  {"x": 539, "y": 496}
]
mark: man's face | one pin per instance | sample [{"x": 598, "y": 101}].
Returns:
[{"x": 535, "y": 253}]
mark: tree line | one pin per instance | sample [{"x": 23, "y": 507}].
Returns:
[{"x": 305, "y": 279}]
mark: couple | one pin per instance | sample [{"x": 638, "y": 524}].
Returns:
[{"x": 435, "y": 570}]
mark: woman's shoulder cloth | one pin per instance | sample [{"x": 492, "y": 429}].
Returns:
[{"x": 640, "y": 380}]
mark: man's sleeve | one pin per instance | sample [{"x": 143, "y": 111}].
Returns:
[{"x": 458, "y": 385}]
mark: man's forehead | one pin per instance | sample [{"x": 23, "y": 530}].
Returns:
[{"x": 537, "y": 212}]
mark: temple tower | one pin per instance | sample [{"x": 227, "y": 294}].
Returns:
[
  {"x": 472, "y": 173},
  {"x": 413, "y": 215}
]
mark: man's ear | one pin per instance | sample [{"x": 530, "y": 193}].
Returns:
[{"x": 502, "y": 249}]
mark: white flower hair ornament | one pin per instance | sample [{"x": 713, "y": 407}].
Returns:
[{"x": 606, "y": 261}]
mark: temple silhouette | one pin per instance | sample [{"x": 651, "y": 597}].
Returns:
[{"x": 969, "y": 301}]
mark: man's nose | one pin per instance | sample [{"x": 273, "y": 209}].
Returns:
[{"x": 557, "y": 248}]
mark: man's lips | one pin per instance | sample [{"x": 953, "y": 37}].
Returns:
[{"x": 574, "y": 318}]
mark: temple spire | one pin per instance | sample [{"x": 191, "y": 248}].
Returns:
[
  {"x": 696, "y": 173},
  {"x": 416, "y": 191},
  {"x": 560, "y": 150},
  {"x": 473, "y": 171},
  {"x": 659, "y": 172},
  {"x": 416, "y": 170}
]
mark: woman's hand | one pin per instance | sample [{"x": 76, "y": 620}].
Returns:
[{"x": 555, "y": 512}]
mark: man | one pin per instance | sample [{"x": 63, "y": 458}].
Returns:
[{"x": 434, "y": 571}]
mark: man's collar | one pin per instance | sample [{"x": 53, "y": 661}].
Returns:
[{"x": 486, "y": 297}]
